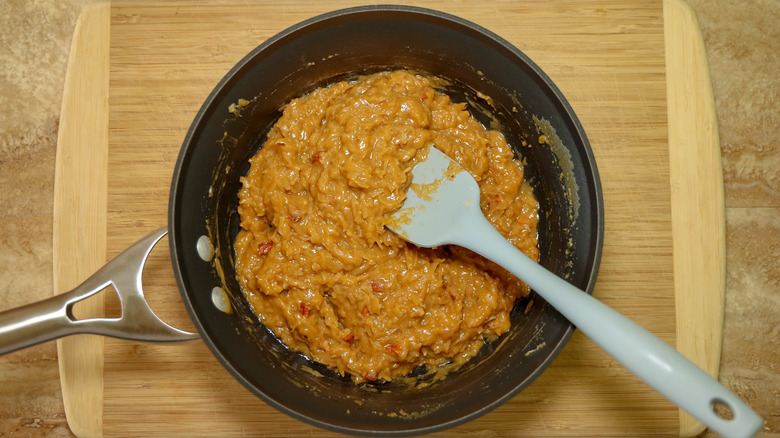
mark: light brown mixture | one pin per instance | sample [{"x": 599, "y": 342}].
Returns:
[{"x": 315, "y": 260}]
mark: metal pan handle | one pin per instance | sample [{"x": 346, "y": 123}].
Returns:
[{"x": 53, "y": 318}]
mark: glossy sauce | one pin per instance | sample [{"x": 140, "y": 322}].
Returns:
[{"x": 315, "y": 260}]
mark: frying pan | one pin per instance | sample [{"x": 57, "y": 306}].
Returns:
[{"x": 504, "y": 89}]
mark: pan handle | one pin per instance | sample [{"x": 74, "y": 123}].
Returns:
[{"x": 53, "y": 318}]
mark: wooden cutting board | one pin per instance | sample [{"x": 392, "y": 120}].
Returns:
[{"x": 635, "y": 74}]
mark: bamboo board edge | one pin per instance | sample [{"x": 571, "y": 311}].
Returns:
[
  {"x": 697, "y": 198},
  {"x": 79, "y": 211}
]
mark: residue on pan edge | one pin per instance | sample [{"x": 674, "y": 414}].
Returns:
[
  {"x": 537, "y": 348},
  {"x": 235, "y": 108},
  {"x": 537, "y": 336},
  {"x": 220, "y": 297},
  {"x": 550, "y": 137}
]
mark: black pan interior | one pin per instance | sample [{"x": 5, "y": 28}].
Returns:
[{"x": 343, "y": 45}]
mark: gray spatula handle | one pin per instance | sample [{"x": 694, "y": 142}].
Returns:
[{"x": 646, "y": 356}]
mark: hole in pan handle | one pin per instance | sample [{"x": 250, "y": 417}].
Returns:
[{"x": 53, "y": 318}]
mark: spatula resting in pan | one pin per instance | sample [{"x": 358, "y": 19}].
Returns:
[{"x": 447, "y": 211}]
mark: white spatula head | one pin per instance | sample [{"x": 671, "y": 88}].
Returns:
[{"x": 440, "y": 194}]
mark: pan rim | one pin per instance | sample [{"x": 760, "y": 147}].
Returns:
[{"x": 182, "y": 162}]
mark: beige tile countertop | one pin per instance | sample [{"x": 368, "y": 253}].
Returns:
[{"x": 743, "y": 46}]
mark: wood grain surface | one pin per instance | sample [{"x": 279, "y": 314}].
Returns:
[{"x": 608, "y": 59}]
